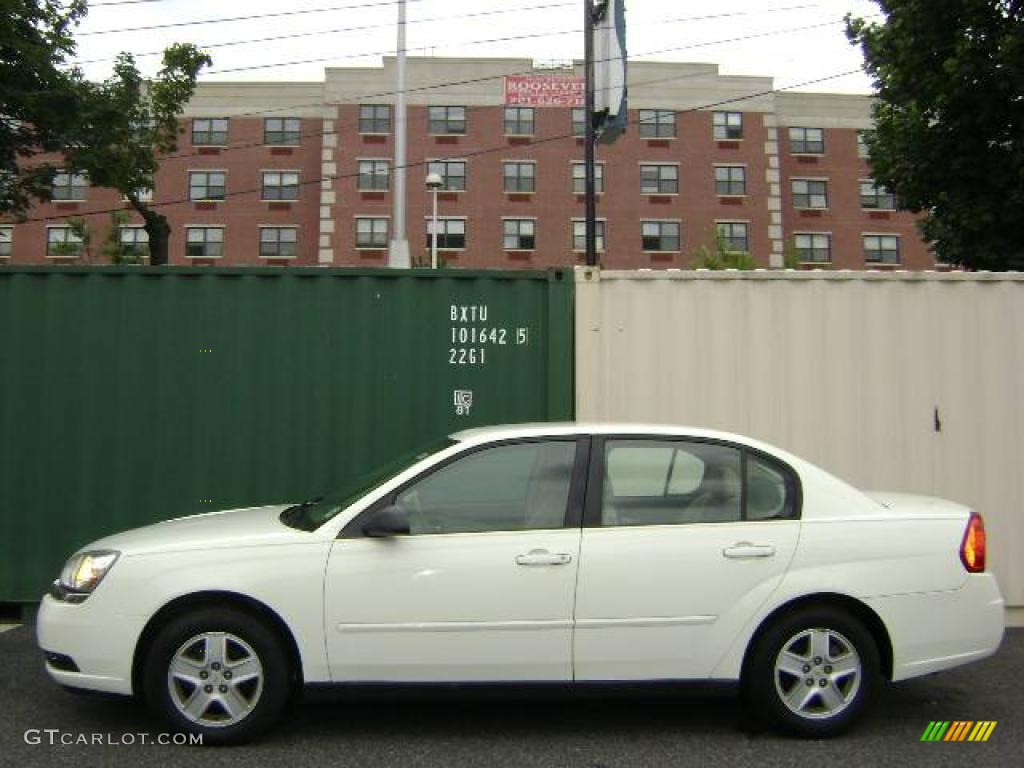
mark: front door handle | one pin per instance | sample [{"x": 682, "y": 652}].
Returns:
[
  {"x": 745, "y": 550},
  {"x": 543, "y": 557}
]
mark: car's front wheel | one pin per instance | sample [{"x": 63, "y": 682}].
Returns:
[
  {"x": 812, "y": 672},
  {"x": 222, "y": 674}
]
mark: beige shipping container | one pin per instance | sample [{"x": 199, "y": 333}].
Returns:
[{"x": 890, "y": 380}]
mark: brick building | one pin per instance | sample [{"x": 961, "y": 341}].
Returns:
[{"x": 300, "y": 173}]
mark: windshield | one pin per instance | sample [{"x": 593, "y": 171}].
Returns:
[{"x": 310, "y": 515}]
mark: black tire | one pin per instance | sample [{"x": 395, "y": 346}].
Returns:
[
  {"x": 258, "y": 702},
  {"x": 834, "y": 704}
]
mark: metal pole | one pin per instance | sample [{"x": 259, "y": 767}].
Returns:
[
  {"x": 589, "y": 137},
  {"x": 433, "y": 229},
  {"x": 398, "y": 255}
]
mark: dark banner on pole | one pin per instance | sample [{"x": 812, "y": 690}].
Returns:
[{"x": 609, "y": 43}]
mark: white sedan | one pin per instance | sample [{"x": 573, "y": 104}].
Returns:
[{"x": 569, "y": 553}]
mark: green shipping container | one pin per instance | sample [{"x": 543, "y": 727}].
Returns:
[{"x": 134, "y": 395}]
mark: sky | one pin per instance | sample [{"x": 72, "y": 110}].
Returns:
[{"x": 793, "y": 41}]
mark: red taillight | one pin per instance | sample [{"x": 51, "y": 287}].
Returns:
[{"x": 972, "y": 549}]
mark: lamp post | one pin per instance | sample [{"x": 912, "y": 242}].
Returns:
[
  {"x": 434, "y": 183},
  {"x": 398, "y": 250}
]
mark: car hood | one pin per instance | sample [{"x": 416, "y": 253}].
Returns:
[
  {"x": 909, "y": 504},
  {"x": 253, "y": 526}
]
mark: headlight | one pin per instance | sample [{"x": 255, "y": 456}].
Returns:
[{"x": 85, "y": 571}]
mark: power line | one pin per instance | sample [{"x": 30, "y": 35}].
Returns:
[
  {"x": 362, "y": 28},
  {"x": 251, "y": 17},
  {"x": 365, "y": 27},
  {"x": 123, "y": 2},
  {"x": 322, "y": 59},
  {"x": 536, "y": 35},
  {"x": 474, "y": 153}
]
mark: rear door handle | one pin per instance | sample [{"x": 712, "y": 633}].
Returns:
[
  {"x": 745, "y": 550},
  {"x": 543, "y": 557}
]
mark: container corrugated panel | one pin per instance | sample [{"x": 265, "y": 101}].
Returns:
[
  {"x": 893, "y": 381},
  {"x": 129, "y": 396}
]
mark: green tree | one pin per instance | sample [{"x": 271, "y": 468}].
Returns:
[
  {"x": 114, "y": 248},
  {"x": 38, "y": 95},
  {"x": 126, "y": 123},
  {"x": 722, "y": 257},
  {"x": 80, "y": 228},
  {"x": 949, "y": 121}
]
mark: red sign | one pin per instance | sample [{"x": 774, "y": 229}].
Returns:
[{"x": 544, "y": 90}]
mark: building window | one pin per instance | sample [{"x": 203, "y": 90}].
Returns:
[
  {"x": 6, "y": 242},
  {"x": 452, "y": 173},
  {"x": 862, "y": 144},
  {"x": 519, "y": 121},
  {"x": 207, "y": 185},
  {"x": 657, "y": 124},
  {"x": 579, "y": 235},
  {"x": 134, "y": 242},
  {"x": 579, "y": 121},
  {"x": 446, "y": 120},
  {"x": 282, "y": 131},
  {"x": 280, "y": 185},
  {"x": 371, "y": 232},
  {"x": 659, "y": 179},
  {"x": 579, "y": 178},
  {"x": 813, "y": 247},
  {"x": 807, "y": 141},
  {"x": 519, "y": 234},
  {"x": 732, "y": 235},
  {"x": 875, "y": 196},
  {"x": 204, "y": 242},
  {"x": 730, "y": 180},
  {"x": 881, "y": 249},
  {"x": 279, "y": 242},
  {"x": 144, "y": 194},
  {"x": 451, "y": 234},
  {"x": 810, "y": 193},
  {"x": 660, "y": 235},
  {"x": 63, "y": 242},
  {"x": 375, "y": 118},
  {"x": 520, "y": 177},
  {"x": 209, "y": 131},
  {"x": 374, "y": 175},
  {"x": 69, "y": 186},
  {"x": 728, "y": 126}
]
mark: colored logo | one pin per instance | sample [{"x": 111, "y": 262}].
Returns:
[{"x": 958, "y": 730}]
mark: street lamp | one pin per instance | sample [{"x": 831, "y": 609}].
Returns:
[{"x": 434, "y": 183}]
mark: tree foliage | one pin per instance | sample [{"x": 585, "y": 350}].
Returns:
[
  {"x": 115, "y": 131},
  {"x": 722, "y": 257},
  {"x": 38, "y": 94},
  {"x": 949, "y": 121},
  {"x": 126, "y": 123}
]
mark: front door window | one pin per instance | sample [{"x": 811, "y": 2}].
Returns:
[{"x": 523, "y": 486}]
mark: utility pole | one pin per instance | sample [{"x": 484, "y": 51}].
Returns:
[
  {"x": 398, "y": 250},
  {"x": 589, "y": 137}
]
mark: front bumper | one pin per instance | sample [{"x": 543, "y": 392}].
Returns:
[{"x": 100, "y": 643}]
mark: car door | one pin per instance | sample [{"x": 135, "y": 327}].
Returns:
[
  {"x": 481, "y": 588},
  {"x": 683, "y": 540}
]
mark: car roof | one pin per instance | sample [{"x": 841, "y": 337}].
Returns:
[{"x": 544, "y": 429}]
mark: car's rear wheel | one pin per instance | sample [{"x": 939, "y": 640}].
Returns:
[
  {"x": 812, "y": 672},
  {"x": 221, "y": 674}
]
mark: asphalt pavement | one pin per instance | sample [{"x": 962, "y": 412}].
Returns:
[{"x": 518, "y": 728}]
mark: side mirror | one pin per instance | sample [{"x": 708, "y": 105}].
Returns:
[{"x": 389, "y": 521}]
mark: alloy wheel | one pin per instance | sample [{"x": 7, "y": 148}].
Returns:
[
  {"x": 817, "y": 673},
  {"x": 215, "y": 679}
]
